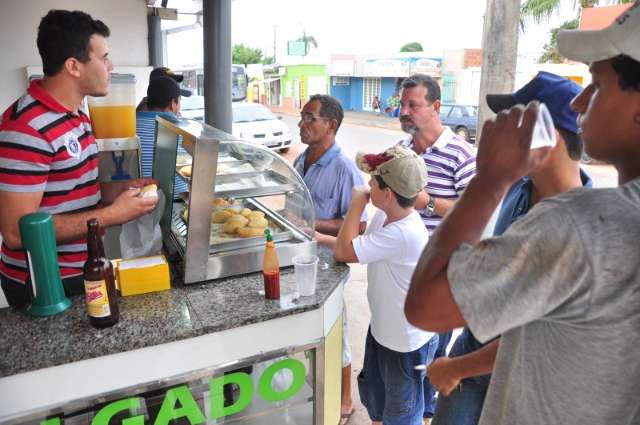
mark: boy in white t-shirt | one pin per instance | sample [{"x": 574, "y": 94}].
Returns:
[{"x": 390, "y": 388}]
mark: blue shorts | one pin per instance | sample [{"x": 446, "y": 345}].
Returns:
[{"x": 390, "y": 389}]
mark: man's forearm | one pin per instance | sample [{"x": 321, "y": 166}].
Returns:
[
  {"x": 430, "y": 304},
  {"x": 70, "y": 227},
  {"x": 109, "y": 191},
  {"x": 329, "y": 227},
  {"x": 349, "y": 231},
  {"x": 464, "y": 223},
  {"x": 442, "y": 206},
  {"x": 326, "y": 240},
  {"x": 477, "y": 363}
]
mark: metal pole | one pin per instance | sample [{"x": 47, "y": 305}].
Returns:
[
  {"x": 216, "y": 21},
  {"x": 499, "y": 53},
  {"x": 274, "y": 44},
  {"x": 155, "y": 38}
]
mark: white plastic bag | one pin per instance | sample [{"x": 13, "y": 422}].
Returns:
[{"x": 142, "y": 237}]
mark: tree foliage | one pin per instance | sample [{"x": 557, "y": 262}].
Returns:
[
  {"x": 308, "y": 39},
  {"x": 550, "y": 52},
  {"x": 244, "y": 55},
  {"x": 412, "y": 47},
  {"x": 541, "y": 10}
]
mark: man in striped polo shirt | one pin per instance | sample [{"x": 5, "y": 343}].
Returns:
[
  {"x": 451, "y": 163},
  {"x": 48, "y": 154}
]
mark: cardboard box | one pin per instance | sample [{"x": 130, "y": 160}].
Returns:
[{"x": 143, "y": 275}]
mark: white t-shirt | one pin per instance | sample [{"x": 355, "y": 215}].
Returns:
[{"x": 391, "y": 253}]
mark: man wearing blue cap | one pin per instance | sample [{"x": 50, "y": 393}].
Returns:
[
  {"x": 561, "y": 286},
  {"x": 471, "y": 361}
]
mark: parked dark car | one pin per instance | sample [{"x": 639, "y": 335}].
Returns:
[{"x": 463, "y": 120}]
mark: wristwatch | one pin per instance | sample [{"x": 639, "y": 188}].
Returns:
[{"x": 430, "y": 209}]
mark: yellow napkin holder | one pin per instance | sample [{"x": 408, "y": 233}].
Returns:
[{"x": 143, "y": 275}]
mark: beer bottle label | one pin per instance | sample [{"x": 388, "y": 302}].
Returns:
[{"x": 97, "y": 298}]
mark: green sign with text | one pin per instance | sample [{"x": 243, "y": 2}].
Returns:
[{"x": 179, "y": 402}]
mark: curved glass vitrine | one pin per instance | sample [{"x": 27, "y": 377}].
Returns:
[{"x": 235, "y": 191}]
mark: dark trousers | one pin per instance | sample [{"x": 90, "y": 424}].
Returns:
[{"x": 430, "y": 390}]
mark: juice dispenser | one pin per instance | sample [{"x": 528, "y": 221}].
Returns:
[
  {"x": 113, "y": 119},
  {"x": 114, "y": 116}
]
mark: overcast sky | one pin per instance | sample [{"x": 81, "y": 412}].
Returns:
[{"x": 365, "y": 27}]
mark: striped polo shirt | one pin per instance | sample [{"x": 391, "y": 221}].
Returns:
[
  {"x": 146, "y": 131},
  {"x": 46, "y": 148},
  {"x": 451, "y": 163}
]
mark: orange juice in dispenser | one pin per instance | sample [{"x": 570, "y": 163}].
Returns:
[{"x": 114, "y": 115}]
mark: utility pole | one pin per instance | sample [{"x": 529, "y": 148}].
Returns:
[
  {"x": 499, "y": 53},
  {"x": 274, "y": 44}
]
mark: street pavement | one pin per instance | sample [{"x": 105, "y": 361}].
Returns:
[{"x": 363, "y": 131}]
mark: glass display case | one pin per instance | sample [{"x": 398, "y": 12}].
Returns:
[{"x": 235, "y": 191}]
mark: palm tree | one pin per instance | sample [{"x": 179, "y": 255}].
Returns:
[
  {"x": 308, "y": 40},
  {"x": 541, "y": 10}
]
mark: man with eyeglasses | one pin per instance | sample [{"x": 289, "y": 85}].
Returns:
[{"x": 330, "y": 175}]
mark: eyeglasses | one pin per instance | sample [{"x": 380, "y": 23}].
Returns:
[{"x": 308, "y": 118}]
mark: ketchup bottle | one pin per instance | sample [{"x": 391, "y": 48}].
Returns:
[{"x": 271, "y": 269}]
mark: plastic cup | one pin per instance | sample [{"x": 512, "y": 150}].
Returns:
[
  {"x": 544, "y": 133},
  {"x": 306, "y": 270}
]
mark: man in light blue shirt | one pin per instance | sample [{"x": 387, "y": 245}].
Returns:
[{"x": 330, "y": 175}]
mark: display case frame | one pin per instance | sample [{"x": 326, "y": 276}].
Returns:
[{"x": 201, "y": 261}]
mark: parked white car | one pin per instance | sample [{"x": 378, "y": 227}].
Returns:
[{"x": 252, "y": 122}]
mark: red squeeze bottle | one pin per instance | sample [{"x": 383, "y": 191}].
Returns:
[{"x": 271, "y": 269}]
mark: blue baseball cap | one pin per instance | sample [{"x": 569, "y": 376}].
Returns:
[{"x": 554, "y": 91}]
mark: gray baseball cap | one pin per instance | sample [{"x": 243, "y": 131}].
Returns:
[{"x": 400, "y": 168}]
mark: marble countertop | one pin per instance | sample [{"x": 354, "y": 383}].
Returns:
[{"x": 29, "y": 343}]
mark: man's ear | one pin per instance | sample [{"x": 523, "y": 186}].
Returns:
[
  {"x": 436, "y": 105},
  {"x": 333, "y": 125},
  {"x": 175, "y": 105},
  {"x": 388, "y": 194},
  {"x": 72, "y": 66}
]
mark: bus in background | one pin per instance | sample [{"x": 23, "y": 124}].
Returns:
[
  {"x": 194, "y": 81},
  {"x": 239, "y": 83}
]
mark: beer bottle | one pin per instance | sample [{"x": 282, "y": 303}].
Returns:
[
  {"x": 99, "y": 281},
  {"x": 271, "y": 269}
]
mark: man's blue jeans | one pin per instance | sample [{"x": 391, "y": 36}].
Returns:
[
  {"x": 464, "y": 405},
  {"x": 429, "y": 390}
]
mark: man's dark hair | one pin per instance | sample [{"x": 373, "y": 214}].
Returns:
[
  {"x": 573, "y": 143},
  {"x": 402, "y": 201},
  {"x": 64, "y": 34},
  {"x": 628, "y": 71},
  {"x": 415, "y": 80},
  {"x": 329, "y": 107}
]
